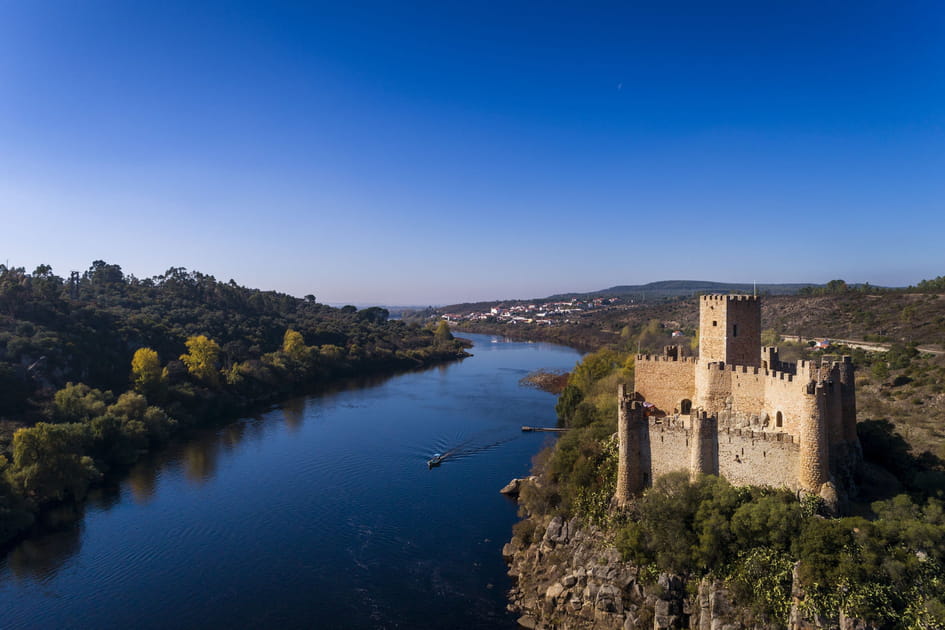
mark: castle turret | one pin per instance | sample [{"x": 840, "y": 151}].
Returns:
[
  {"x": 704, "y": 445},
  {"x": 848, "y": 404},
  {"x": 631, "y": 422},
  {"x": 812, "y": 461},
  {"x": 730, "y": 329}
]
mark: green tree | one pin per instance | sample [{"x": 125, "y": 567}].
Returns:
[
  {"x": 77, "y": 402},
  {"x": 568, "y": 400},
  {"x": 593, "y": 368},
  {"x": 15, "y": 513},
  {"x": 49, "y": 461},
  {"x": 201, "y": 360}
]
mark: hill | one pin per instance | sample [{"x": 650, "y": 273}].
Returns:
[{"x": 686, "y": 288}]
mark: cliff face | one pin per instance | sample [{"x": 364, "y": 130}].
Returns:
[{"x": 570, "y": 577}]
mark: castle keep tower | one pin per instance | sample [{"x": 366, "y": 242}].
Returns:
[
  {"x": 738, "y": 411},
  {"x": 730, "y": 329}
]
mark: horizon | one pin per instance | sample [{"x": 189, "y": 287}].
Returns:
[
  {"x": 421, "y": 305},
  {"x": 440, "y": 154}
]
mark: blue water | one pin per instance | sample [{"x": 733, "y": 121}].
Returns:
[{"x": 321, "y": 513}]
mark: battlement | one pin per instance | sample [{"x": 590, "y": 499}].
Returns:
[
  {"x": 766, "y": 436},
  {"x": 673, "y": 424},
  {"x": 719, "y": 297},
  {"x": 665, "y": 359},
  {"x": 667, "y": 423},
  {"x": 777, "y": 375}
]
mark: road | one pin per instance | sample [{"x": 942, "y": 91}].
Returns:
[{"x": 871, "y": 346}]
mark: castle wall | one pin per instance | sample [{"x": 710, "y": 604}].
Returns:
[
  {"x": 713, "y": 386},
  {"x": 669, "y": 449},
  {"x": 784, "y": 393},
  {"x": 761, "y": 459},
  {"x": 748, "y": 389},
  {"x": 665, "y": 382}
]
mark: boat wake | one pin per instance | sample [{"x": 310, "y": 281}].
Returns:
[{"x": 465, "y": 449}]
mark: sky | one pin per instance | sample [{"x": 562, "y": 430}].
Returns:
[{"x": 435, "y": 152}]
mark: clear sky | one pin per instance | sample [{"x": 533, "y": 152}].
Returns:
[{"x": 424, "y": 153}]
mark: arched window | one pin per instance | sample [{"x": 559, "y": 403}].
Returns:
[
  {"x": 685, "y": 407},
  {"x": 779, "y": 420}
]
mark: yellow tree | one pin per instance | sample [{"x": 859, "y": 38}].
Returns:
[
  {"x": 201, "y": 360},
  {"x": 442, "y": 333},
  {"x": 293, "y": 345},
  {"x": 146, "y": 371}
]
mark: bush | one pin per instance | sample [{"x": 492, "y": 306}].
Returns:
[{"x": 525, "y": 530}]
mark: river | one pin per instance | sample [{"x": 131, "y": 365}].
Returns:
[{"x": 320, "y": 513}]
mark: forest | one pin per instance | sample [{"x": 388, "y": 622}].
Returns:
[{"x": 100, "y": 367}]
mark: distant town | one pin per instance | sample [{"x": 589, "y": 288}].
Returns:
[{"x": 543, "y": 313}]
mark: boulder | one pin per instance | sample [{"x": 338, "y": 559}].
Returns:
[{"x": 513, "y": 487}]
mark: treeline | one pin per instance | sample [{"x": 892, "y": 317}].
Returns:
[
  {"x": 838, "y": 287},
  {"x": 98, "y": 368},
  {"x": 888, "y": 569}
]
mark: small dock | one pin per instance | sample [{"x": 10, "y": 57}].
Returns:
[{"x": 527, "y": 429}]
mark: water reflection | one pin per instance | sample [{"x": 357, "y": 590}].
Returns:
[
  {"x": 142, "y": 481},
  {"x": 294, "y": 413},
  {"x": 199, "y": 458},
  {"x": 104, "y": 497},
  {"x": 40, "y": 558},
  {"x": 232, "y": 434}
]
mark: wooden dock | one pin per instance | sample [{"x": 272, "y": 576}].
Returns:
[{"x": 546, "y": 429}]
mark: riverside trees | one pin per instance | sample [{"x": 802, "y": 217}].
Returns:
[{"x": 83, "y": 389}]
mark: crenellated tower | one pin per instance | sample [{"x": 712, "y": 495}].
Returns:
[{"x": 730, "y": 329}]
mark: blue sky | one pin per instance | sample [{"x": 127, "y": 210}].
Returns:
[{"x": 418, "y": 153}]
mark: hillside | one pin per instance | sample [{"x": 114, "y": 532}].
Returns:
[{"x": 686, "y": 288}]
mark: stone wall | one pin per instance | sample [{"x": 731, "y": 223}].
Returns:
[
  {"x": 668, "y": 450},
  {"x": 713, "y": 319},
  {"x": 786, "y": 394},
  {"x": 730, "y": 329},
  {"x": 743, "y": 332},
  {"x": 761, "y": 459},
  {"x": 665, "y": 382}
]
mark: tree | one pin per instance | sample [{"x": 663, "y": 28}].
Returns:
[
  {"x": 293, "y": 345},
  {"x": 146, "y": 373},
  {"x": 442, "y": 333},
  {"x": 49, "y": 461},
  {"x": 77, "y": 402},
  {"x": 201, "y": 360},
  {"x": 593, "y": 368}
]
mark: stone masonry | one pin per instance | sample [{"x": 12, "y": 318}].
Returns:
[{"x": 737, "y": 410}]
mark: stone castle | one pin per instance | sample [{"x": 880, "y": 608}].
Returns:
[{"x": 738, "y": 411}]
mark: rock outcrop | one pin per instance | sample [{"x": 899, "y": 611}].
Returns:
[{"x": 569, "y": 576}]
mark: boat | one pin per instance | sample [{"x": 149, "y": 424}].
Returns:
[{"x": 436, "y": 460}]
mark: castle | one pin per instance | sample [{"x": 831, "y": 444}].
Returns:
[{"x": 737, "y": 410}]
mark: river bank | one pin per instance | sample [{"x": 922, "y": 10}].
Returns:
[
  {"x": 321, "y": 508},
  {"x": 35, "y": 513}
]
